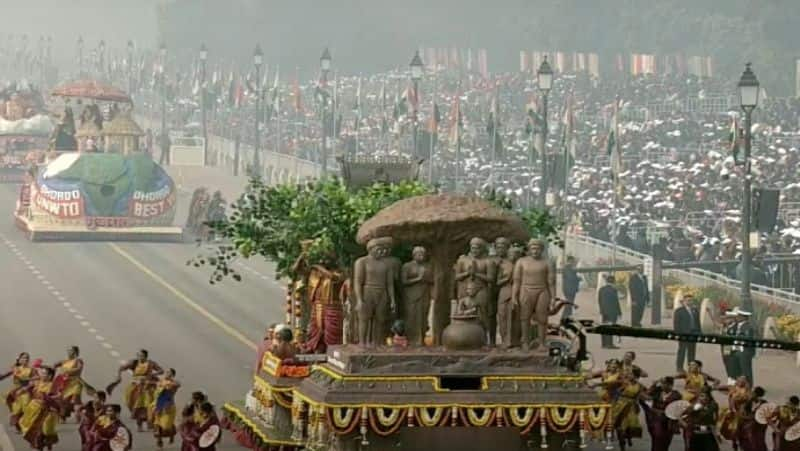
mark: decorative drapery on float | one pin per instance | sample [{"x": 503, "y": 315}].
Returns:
[{"x": 313, "y": 421}]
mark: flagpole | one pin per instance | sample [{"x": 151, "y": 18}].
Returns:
[
  {"x": 615, "y": 181},
  {"x": 358, "y": 116},
  {"x": 494, "y": 111},
  {"x": 296, "y": 122},
  {"x": 335, "y": 107},
  {"x": 434, "y": 129},
  {"x": 458, "y": 137},
  {"x": 567, "y": 144}
]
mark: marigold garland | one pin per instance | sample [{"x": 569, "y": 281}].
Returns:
[
  {"x": 378, "y": 424},
  {"x": 387, "y": 420},
  {"x": 342, "y": 422},
  {"x": 283, "y": 400},
  {"x": 558, "y": 425},
  {"x": 561, "y": 420},
  {"x": 597, "y": 417},
  {"x": 530, "y": 416},
  {"x": 425, "y": 419},
  {"x": 471, "y": 418}
]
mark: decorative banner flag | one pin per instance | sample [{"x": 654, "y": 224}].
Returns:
[
  {"x": 483, "y": 63},
  {"x": 594, "y": 65},
  {"x": 797, "y": 77}
]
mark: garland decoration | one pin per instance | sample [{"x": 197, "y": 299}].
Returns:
[
  {"x": 342, "y": 420},
  {"x": 384, "y": 425},
  {"x": 424, "y": 418},
  {"x": 529, "y": 416},
  {"x": 470, "y": 416}
]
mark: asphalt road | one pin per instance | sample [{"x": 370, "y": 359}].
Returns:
[{"x": 113, "y": 299}]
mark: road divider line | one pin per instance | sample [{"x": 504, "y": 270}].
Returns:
[{"x": 185, "y": 299}]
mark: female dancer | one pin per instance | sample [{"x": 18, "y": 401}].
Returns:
[
  {"x": 40, "y": 417},
  {"x": 730, "y": 418},
  {"x": 660, "y": 427},
  {"x": 696, "y": 380},
  {"x": 139, "y": 394},
  {"x": 625, "y": 409},
  {"x": 162, "y": 411},
  {"x": 698, "y": 422},
  {"x": 785, "y": 417},
  {"x": 19, "y": 396},
  {"x": 89, "y": 413},
  {"x": 751, "y": 433},
  {"x": 68, "y": 382}
]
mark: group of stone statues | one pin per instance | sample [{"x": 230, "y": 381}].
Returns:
[{"x": 506, "y": 290}]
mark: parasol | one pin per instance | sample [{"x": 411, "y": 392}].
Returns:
[{"x": 91, "y": 89}]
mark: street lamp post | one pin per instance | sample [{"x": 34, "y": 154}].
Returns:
[
  {"x": 545, "y": 81},
  {"x": 258, "y": 60},
  {"x": 416, "y": 75},
  {"x": 203, "y": 59},
  {"x": 164, "y": 138},
  {"x": 748, "y": 96},
  {"x": 325, "y": 68}
]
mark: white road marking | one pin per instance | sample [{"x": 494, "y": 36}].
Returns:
[
  {"x": 56, "y": 293},
  {"x": 99, "y": 338},
  {"x": 85, "y": 323},
  {"x": 123, "y": 362},
  {"x": 72, "y": 310},
  {"x": 107, "y": 345},
  {"x": 92, "y": 330},
  {"x": 79, "y": 317},
  {"x": 114, "y": 354}
]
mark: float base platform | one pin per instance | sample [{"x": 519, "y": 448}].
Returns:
[{"x": 53, "y": 232}]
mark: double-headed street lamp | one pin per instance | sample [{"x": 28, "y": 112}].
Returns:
[
  {"x": 203, "y": 59},
  {"x": 416, "y": 75},
  {"x": 258, "y": 60},
  {"x": 325, "y": 67},
  {"x": 544, "y": 78},
  {"x": 749, "y": 89}
]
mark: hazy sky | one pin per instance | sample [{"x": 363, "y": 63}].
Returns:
[{"x": 116, "y": 21}]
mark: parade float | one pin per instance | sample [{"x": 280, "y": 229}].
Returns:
[
  {"x": 24, "y": 131},
  {"x": 98, "y": 187},
  {"x": 345, "y": 389}
]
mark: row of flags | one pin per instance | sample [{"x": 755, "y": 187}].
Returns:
[{"x": 635, "y": 64}]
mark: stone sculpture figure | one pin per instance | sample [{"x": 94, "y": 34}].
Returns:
[
  {"x": 501, "y": 247},
  {"x": 373, "y": 281},
  {"x": 469, "y": 304},
  {"x": 534, "y": 284},
  {"x": 417, "y": 279},
  {"x": 507, "y": 314},
  {"x": 477, "y": 268}
]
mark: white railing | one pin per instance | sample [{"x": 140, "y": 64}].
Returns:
[
  {"x": 590, "y": 250},
  {"x": 275, "y": 167}
]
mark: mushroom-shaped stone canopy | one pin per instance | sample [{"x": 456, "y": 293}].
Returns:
[{"x": 442, "y": 218}]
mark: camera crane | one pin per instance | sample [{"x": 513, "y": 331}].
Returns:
[{"x": 579, "y": 329}]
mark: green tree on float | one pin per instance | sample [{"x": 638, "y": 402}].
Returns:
[{"x": 273, "y": 221}]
